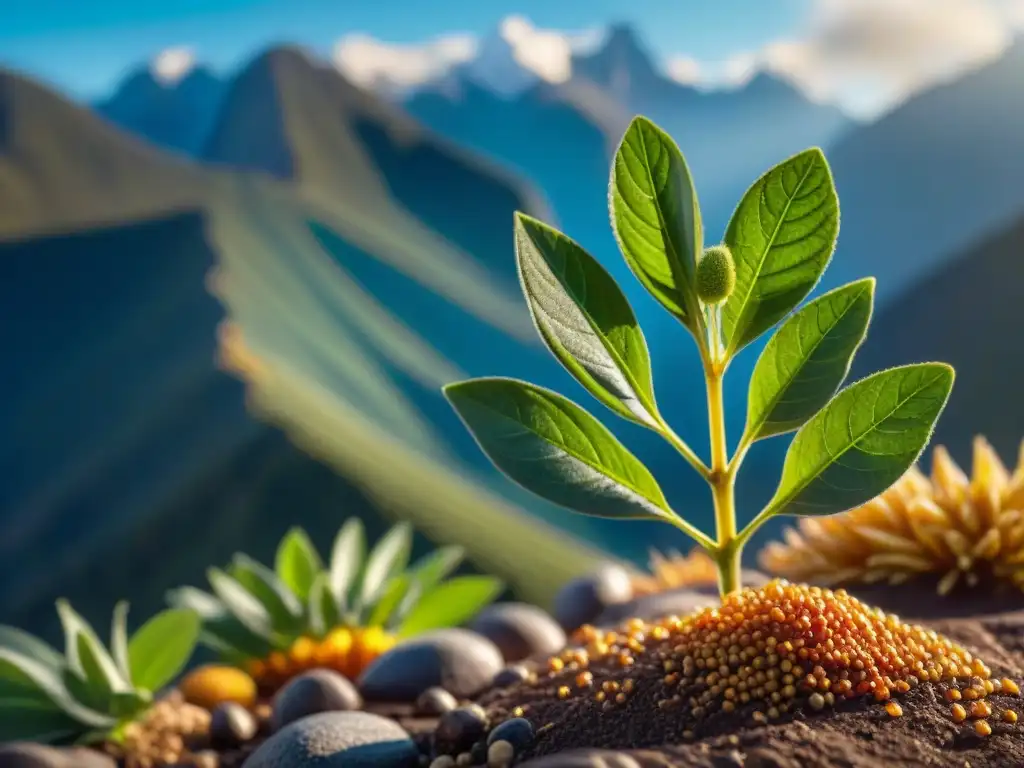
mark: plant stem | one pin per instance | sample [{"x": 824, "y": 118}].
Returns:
[{"x": 722, "y": 481}]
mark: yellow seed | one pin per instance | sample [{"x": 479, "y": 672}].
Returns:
[
  {"x": 894, "y": 709},
  {"x": 980, "y": 709},
  {"x": 1010, "y": 687},
  {"x": 1009, "y": 716},
  {"x": 959, "y": 713},
  {"x": 982, "y": 728},
  {"x": 563, "y": 692}
]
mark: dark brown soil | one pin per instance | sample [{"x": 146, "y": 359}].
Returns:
[{"x": 858, "y": 734}]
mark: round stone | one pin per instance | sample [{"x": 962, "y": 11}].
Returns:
[
  {"x": 338, "y": 740},
  {"x": 319, "y": 690},
  {"x": 457, "y": 731},
  {"x": 232, "y": 725},
  {"x": 582, "y": 600},
  {"x": 459, "y": 660},
  {"x": 23, "y": 754},
  {"x": 500, "y": 754},
  {"x": 510, "y": 675},
  {"x": 435, "y": 701},
  {"x": 518, "y": 732},
  {"x": 520, "y": 630}
]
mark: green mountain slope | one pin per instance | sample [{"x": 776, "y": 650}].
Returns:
[{"x": 128, "y": 441}]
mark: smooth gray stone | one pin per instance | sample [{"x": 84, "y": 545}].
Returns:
[
  {"x": 30, "y": 755},
  {"x": 319, "y": 690},
  {"x": 520, "y": 630},
  {"x": 338, "y": 740},
  {"x": 581, "y": 600},
  {"x": 458, "y": 660}
]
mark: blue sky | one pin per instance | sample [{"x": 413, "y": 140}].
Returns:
[{"x": 84, "y": 46}]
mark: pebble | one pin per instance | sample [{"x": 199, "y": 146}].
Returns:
[
  {"x": 677, "y": 602},
  {"x": 319, "y": 690},
  {"x": 518, "y": 732},
  {"x": 520, "y": 630},
  {"x": 500, "y": 754},
  {"x": 213, "y": 684},
  {"x": 459, "y": 660},
  {"x": 435, "y": 701},
  {"x": 232, "y": 725},
  {"x": 582, "y": 600},
  {"x": 443, "y": 761},
  {"x": 457, "y": 731},
  {"x": 30, "y": 755},
  {"x": 510, "y": 675},
  {"x": 583, "y": 758},
  {"x": 338, "y": 740}
]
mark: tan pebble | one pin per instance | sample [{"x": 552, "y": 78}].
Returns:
[
  {"x": 444, "y": 761},
  {"x": 817, "y": 701},
  {"x": 500, "y": 754}
]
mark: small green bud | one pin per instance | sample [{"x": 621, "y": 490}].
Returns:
[{"x": 716, "y": 275}]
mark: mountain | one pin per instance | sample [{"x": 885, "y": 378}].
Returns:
[
  {"x": 135, "y": 281},
  {"x": 177, "y": 115},
  {"x": 967, "y": 313},
  {"x": 924, "y": 182}
]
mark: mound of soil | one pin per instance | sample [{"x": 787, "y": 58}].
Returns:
[{"x": 857, "y": 734}]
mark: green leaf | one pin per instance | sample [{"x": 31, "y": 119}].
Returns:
[
  {"x": 347, "y": 556},
  {"x": 28, "y": 678},
  {"x": 284, "y": 607},
  {"x": 450, "y": 604},
  {"x": 119, "y": 639},
  {"x": 807, "y": 359},
  {"x": 243, "y": 606},
  {"x": 863, "y": 441},
  {"x": 388, "y": 558},
  {"x": 552, "y": 447},
  {"x": 36, "y": 722},
  {"x": 161, "y": 648},
  {"x": 203, "y": 603},
  {"x": 781, "y": 236},
  {"x": 585, "y": 320},
  {"x": 128, "y": 705},
  {"x": 86, "y": 655},
  {"x": 429, "y": 570},
  {"x": 656, "y": 218},
  {"x": 22, "y": 642},
  {"x": 389, "y": 600},
  {"x": 324, "y": 611},
  {"x": 409, "y": 601},
  {"x": 233, "y": 640},
  {"x": 297, "y": 562}
]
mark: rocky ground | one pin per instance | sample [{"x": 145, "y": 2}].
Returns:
[{"x": 324, "y": 720}]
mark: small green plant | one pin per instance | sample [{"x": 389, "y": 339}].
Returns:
[
  {"x": 848, "y": 447},
  {"x": 303, "y": 613},
  {"x": 89, "y": 693}
]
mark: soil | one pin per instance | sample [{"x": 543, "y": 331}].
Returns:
[{"x": 857, "y": 734}]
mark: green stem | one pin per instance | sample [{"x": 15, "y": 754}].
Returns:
[{"x": 722, "y": 480}]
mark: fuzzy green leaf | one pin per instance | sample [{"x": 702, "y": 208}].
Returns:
[
  {"x": 284, "y": 607},
  {"x": 429, "y": 570},
  {"x": 554, "y": 448},
  {"x": 36, "y": 721},
  {"x": 119, "y": 639},
  {"x": 656, "y": 217},
  {"x": 585, "y": 320},
  {"x": 324, "y": 612},
  {"x": 782, "y": 237},
  {"x": 347, "y": 556},
  {"x": 86, "y": 655},
  {"x": 807, "y": 359},
  {"x": 388, "y": 558},
  {"x": 203, "y": 603},
  {"x": 297, "y": 562},
  {"x": 19, "y": 641},
  {"x": 451, "y": 604},
  {"x": 27, "y": 678},
  {"x": 863, "y": 441},
  {"x": 389, "y": 600},
  {"x": 241, "y": 604},
  {"x": 161, "y": 648}
]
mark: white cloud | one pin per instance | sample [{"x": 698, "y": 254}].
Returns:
[
  {"x": 517, "y": 44},
  {"x": 868, "y": 55},
  {"x": 371, "y": 63},
  {"x": 172, "y": 64}
]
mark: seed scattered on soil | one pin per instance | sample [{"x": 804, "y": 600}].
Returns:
[
  {"x": 768, "y": 650},
  {"x": 894, "y": 709},
  {"x": 959, "y": 713},
  {"x": 982, "y": 728}
]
